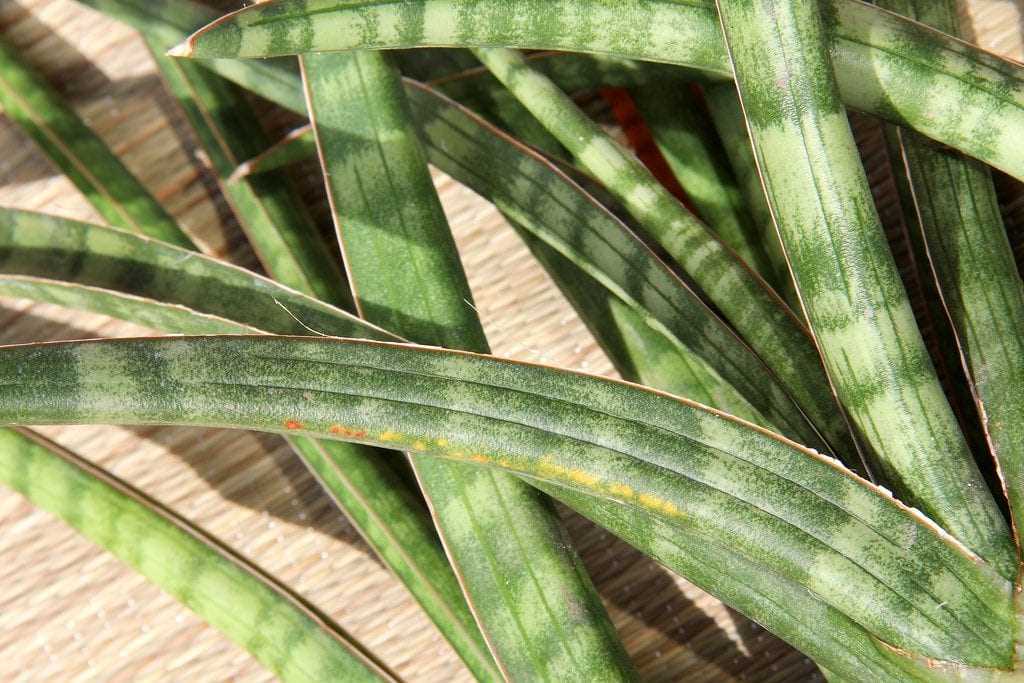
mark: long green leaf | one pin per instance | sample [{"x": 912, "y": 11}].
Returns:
[
  {"x": 689, "y": 145},
  {"x": 80, "y": 154},
  {"x": 727, "y": 116},
  {"x": 173, "y": 290},
  {"x": 785, "y": 508},
  {"x": 269, "y": 210},
  {"x": 884, "y": 62},
  {"x": 284, "y": 634},
  {"x": 970, "y": 257},
  {"x": 765, "y": 322},
  {"x": 847, "y": 280},
  {"x": 371, "y": 155},
  {"x": 41, "y": 245}
]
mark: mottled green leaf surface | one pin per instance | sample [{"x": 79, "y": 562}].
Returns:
[
  {"x": 884, "y": 62},
  {"x": 80, "y": 154},
  {"x": 371, "y": 156},
  {"x": 690, "y": 146},
  {"x": 285, "y": 635},
  {"x": 848, "y": 283},
  {"x": 542, "y": 199},
  {"x": 804, "y": 636},
  {"x": 787, "y": 509},
  {"x": 957, "y": 217}
]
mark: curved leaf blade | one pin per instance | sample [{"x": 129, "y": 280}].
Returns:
[
  {"x": 40, "y": 245},
  {"x": 976, "y": 103},
  {"x": 843, "y": 644},
  {"x": 248, "y": 606},
  {"x": 789, "y": 509}
]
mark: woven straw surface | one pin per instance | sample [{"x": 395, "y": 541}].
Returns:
[{"x": 68, "y": 611}]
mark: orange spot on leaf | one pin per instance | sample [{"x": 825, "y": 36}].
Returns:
[
  {"x": 347, "y": 432},
  {"x": 292, "y": 424}
]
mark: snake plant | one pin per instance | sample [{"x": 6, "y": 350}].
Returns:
[{"x": 782, "y": 435}]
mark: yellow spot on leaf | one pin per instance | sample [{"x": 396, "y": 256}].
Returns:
[
  {"x": 480, "y": 458},
  {"x": 622, "y": 490},
  {"x": 419, "y": 446},
  {"x": 583, "y": 478},
  {"x": 443, "y": 443},
  {"x": 390, "y": 436},
  {"x": 658, "y": 504}
]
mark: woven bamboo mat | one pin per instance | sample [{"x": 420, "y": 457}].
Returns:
[{"x": 68, "y": 611}]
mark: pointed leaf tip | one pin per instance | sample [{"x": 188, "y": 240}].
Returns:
[{"x": 182, "y": 49}]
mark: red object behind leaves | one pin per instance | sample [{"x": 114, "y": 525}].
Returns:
[{"x": 641, "y": 142}]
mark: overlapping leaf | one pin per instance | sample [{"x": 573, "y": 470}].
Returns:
[
  {"x": 883, "y": 61},
  {"x": 102, "y": 270},
  {"x": 269, "y": 210},
  {"x": 785, "y": 508},
  {"x": 845, "y": 275},
  {"x": 371, "y": 155}
]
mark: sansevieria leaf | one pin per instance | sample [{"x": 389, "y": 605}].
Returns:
[
  {"x": 971, "y": 261},
  {"x": 846, "y": 278},
  {"x": 371, "y": 155},
  {"x": 80, "y": 154},
  {"x": 754, "y": 591},
  {"x": 784, "y": 508},
  {"x": 283, "y": 633},
  {"x": 883, "y": 61}
]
